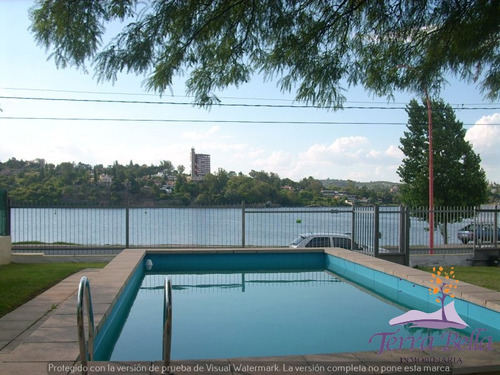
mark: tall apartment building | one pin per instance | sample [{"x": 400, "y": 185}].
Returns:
[{"x": 200, "y": 165}]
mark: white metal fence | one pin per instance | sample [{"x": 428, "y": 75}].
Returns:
[{"x": 83, "y": 230}]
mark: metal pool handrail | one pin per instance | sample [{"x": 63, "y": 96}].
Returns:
[
  {"x": 167, "y": 323},
  {"x": 86, "y": 348}
]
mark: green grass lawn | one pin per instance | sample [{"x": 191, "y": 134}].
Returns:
[
  {"x": 21, "y": 282},
  {"x": 487, "y": 277}
]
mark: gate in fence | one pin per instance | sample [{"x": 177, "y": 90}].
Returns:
[{"x": 385, "y": 231}]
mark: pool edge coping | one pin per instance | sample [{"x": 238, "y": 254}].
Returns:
[{"x": 480, "y": 296}]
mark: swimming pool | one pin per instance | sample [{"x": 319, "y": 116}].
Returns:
[{"x": 268, "y": 304}]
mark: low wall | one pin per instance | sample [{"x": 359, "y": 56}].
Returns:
[
  {"x": 393, "y": 257},
  {"x": 5, "y": 250},
  {"x": 42, "y": 258},
  {"x": 445, "y": 260}
]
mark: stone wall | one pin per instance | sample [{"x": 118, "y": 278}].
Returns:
[
  {"x": 5, "y": 250},
  {"x": 445, "y": 260},
  {"x": 42, "y": 258}
]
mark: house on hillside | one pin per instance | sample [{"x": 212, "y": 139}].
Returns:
[{"x": 105, "y": 180}]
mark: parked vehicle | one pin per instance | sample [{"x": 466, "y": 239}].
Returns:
[
  {"x": 480, "y": 232},
  {"x": 326, "y": 240}
]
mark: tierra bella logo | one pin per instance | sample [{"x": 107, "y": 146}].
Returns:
[{"x": 445, "y": 317}]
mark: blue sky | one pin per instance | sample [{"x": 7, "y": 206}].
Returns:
[{"x": 342, "y": 149}]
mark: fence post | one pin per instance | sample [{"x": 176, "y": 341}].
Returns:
[
  {"x": 127, "y": 227},
  {"x": 475, "y": 226},
  {"x": 402, "y": 229},
  {"x": 376, "y": 228},
  {"x": 495, "y": 226},
  {"x": 242, "y": 223},
  {"x": 353, "y": 226},
  {"x": 4, "y": 214},
  {"x": 406, "y": 234}
]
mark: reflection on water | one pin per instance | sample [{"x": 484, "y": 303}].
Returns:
[
  {"x": 217, "y": 282},
  {"x": 241, "y": 314}
]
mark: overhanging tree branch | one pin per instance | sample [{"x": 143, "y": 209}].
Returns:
[{"x": 312, "y": 46}]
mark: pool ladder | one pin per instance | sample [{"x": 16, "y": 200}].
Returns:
[
  {"x": 167, "y": 323},
  {"x": 86, "y": 348}
]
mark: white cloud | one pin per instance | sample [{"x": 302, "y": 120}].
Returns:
[
  {"x": 346, "y": 158},
  {"x": 394, "y": 152},
  {"x": 246, "y": 153},
  {"x": 198, "y": 135},
  {"x": 337, "y": 152},
  {"x": 384, "y": 158},
  {"x": 485, "y": 139},
  {"x": 483, "y": 135},
  {"x": 277, "y": 161}
]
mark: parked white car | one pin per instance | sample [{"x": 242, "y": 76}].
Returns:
[{"x": 326, "y": 240}]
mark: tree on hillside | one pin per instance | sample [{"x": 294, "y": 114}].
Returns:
[
  {"x": 459, "y": 179},
  {"x": 166, "y": 167},
  {"x": 311, "y": 46}
]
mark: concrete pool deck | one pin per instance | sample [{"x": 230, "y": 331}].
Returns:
[{"x": 41, "y": 335}]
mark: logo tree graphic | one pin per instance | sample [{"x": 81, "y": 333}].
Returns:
[
  {"x": 445, "y": 283},
  {"x": 446, "y": 316}
]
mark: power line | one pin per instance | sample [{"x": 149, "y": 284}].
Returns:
[
  {"x": 141, "y": 94},
  {"x": 191, "y": 104},
  {"x": 462, "y": 107},
  {"x": 221, "y": 97},
  {"x": 197, "y": 121}
]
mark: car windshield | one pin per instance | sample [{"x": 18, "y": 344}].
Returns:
[
  {"x": 298, "y": 240},
  {"x": 469, "y": 227},
  {"x": 342, "y": 242},
  {"x": 319, "y": 242}
]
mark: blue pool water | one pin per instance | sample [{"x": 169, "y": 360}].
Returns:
[{"x": 242, "y": 305}]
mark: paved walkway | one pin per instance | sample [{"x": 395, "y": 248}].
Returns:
[{"x": 41, "y": 329}]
